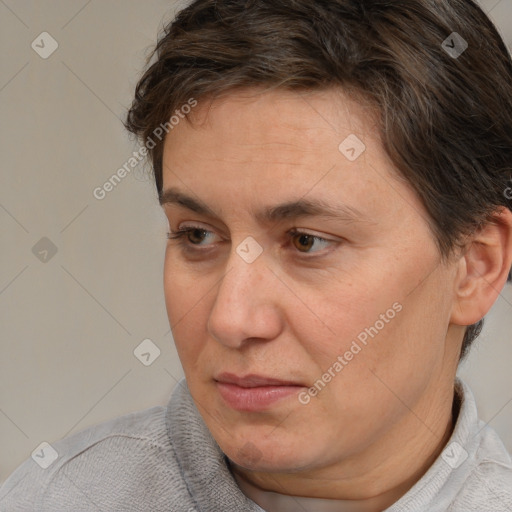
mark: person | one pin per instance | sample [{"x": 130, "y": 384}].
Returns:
[{"x": 335, "y": 174}]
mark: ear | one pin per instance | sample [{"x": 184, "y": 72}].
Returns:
[{"x": 483, "y": 269}]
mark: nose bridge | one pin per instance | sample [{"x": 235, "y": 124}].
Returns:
[
  {"x": 246, "y": 268},
  {"x": 240, "y": 283},
  {"x": 242, "y": 307}
]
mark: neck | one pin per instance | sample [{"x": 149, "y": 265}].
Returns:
[{"x": 384, "y": 472}]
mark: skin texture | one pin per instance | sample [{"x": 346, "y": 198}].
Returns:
[{"x": 381, "y": 421}]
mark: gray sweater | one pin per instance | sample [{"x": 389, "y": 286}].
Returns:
[{"x": 164, "y": 459}]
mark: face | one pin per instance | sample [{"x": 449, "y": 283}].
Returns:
[{"x": 302, "y": 329}]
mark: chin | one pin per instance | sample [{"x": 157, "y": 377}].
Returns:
[{"x": 276, "y": 457}]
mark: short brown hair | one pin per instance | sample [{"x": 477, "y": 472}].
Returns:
[{"x": 445, "y": 118}]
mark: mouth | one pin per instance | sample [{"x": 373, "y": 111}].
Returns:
[{"x": 254, "y": 393}]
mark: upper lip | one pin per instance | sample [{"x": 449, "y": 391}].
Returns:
[{"x": 252, "y": 380}]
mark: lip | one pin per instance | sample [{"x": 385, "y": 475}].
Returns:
[
  {"x": 254, "y": 393},
  {"x": 253, "y": 380}
]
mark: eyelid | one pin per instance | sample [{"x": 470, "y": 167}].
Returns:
[
  {"x": 298, "y": 231},
  {"x": 189, "y": 227},
  {"x": 181, "y": 233},
  {"x": 294, "y": 230},
  {"x": 291, "y": 231}
]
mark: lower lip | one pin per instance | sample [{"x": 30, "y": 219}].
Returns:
[{"x": 254, "y": 399}]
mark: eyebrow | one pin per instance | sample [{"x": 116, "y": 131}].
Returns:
[{"x": 270, "y": 214}]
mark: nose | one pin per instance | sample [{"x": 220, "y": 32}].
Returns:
[{"x": 246, "y": 307}]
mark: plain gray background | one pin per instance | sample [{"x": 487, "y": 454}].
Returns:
[{"x": 81, "y": 278}]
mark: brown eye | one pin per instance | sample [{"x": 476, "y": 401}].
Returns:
[
  {"x": 190, "y": 236},
  {"x": 303, "y": 241},
  {"x": 196, "y": 236}
]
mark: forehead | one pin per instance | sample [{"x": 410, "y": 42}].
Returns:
[
  {"x": 251, "y": 130},
  {"x": 274, "y": 147},
  {"x": 271, "y": 116}
]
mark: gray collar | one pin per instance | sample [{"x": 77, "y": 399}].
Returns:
[
  {"x": 203, "y": 465},
  {"x": 213, "y": 487}
]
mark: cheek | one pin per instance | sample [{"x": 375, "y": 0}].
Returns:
[
  {"x": 377, "y": 328},
  {"x": 184, "y": 287},
  {"x": 396, "y": 358},
  {"x": 173, "y": 289},
  {"x": 186, "y": 302},
  {"x": 347, "y": 312}
]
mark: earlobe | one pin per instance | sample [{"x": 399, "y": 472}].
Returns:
[{"x": 483, "y": 269}]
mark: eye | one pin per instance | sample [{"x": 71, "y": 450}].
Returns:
[
  {"x": 302, "y": 240},
  {"x": 193, "y": 236}
]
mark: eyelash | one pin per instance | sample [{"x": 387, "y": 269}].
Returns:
[{"x": 180, "y": 236}]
